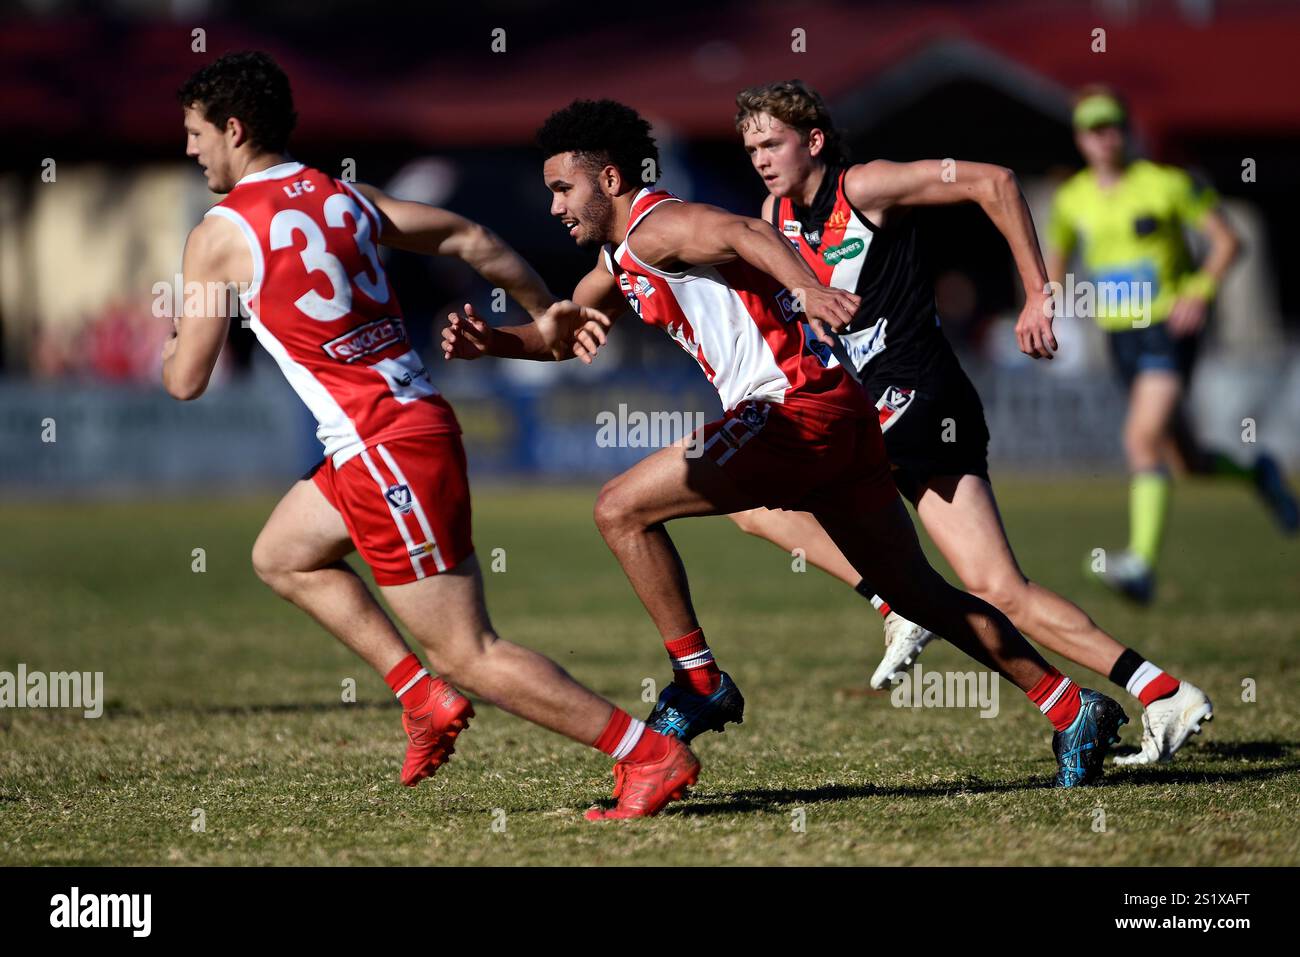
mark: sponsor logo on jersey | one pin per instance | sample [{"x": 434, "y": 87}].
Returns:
[
  {"x": 406, "y": 378},
  {"x": 366, "y": 340},
  {"x": 788, "y": 305},
  {"x": 400, "y": 498},
  {"x": 845, "y": 250},
  {"x": 629, "y": 293},
  {"x": 838, "y": 219},
  {"x": 813, "y": 237},
  {"x": 415, "y": 551},
  {"x": 791, "y": 227}
]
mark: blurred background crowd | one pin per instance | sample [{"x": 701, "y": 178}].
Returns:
[{"x": 96, "y": 197}]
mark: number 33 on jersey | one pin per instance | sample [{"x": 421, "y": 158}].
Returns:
[{"x": 321, "y": 305}]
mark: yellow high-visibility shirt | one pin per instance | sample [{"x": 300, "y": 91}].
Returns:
[{"x": 1130, "y": 233}]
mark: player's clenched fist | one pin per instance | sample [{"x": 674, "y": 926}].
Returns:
[
  {"x": 583, "y": 328},
  {"x": 825, "y": 307},
  {"x": 1034, "y": 327},
  {"x": 466, "y": 338}
]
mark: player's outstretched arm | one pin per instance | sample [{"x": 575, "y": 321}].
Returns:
[
  {"x": 420, "y": 228},
  {"x": 695, "y": 234},
  {"x": 877, "y": 186},
  {"x": 568, "y": 329},
  {"x": 215, "y": 256}
]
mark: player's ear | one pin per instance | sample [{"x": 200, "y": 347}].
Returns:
[
  {"x": 610, "y": 180},
  {"x": 236, "y": 131},
  {"x": 816, "y": 141}
]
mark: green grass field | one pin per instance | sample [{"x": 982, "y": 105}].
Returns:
[{"x": 225, "y": 700}]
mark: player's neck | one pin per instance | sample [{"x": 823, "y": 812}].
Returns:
[
  {"x": 1108, "y": 174},
  {"x": 261, "y": 161},
  {"x": 808, "y": 192},
  {"x": 622, "y": 215}
]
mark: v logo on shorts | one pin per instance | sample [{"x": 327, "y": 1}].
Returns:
[
  {"x": 892, "y": 405},
  {"x": 399, "y": 496}
]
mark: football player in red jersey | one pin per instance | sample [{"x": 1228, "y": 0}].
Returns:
[
  {"x": 393, "y": 485},
  {"x": 930, "y": 413},
  {"x": 797, "y": 432}
]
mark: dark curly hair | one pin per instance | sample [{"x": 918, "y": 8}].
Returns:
[
  {"x": 250, "y": 86},
  {"x": 602, "y": 132}
]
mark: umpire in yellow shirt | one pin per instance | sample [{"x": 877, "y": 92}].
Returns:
[{"x": 1124, "y": 219}]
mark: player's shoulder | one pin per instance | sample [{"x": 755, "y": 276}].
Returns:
[
  {"x": 1173, "y": 178},
  {"x": 1077, "y": 186},
  {"x": 858, "y": 180},
  {"x": 212, "y": 232},
  {"x": 667, "y": 208}
]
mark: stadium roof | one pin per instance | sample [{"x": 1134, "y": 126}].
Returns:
[{"x": 60, "y": 79}]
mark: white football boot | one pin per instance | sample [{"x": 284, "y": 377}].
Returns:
[
  {"x": 903, "y": 643},
  {"x": 1168, "y": 723}
]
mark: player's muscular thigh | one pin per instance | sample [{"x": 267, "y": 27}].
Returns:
[{"x": 303, "y": 533}]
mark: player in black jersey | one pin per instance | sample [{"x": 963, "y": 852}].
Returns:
[{"x": 852, "y": 224}]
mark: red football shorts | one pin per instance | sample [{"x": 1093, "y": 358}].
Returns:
[
  {"x": 798, "y": 454},
  {"x": 406, "y": 505}
]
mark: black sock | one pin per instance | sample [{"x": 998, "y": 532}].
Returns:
[
  {"x": 1127, "y": 663},
  {"x": 864, "y": 589}
]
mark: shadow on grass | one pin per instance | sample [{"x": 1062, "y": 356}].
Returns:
[
  {"x": 115, "y": 710},
  {"x": 765, "y": 799}
]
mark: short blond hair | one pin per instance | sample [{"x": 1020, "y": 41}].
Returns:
[{"x": 798, "y": 106}]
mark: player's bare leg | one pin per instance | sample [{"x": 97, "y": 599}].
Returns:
[
  {"x": 632, "y": 508},
  {"x": 1185, "y": 452},
  {"x": 299, "y": 554},
  {"x": 1153, "y": 400},
  {"x": 904, "y": 640},
  {"x": 447, "y": 614},
  {"x": 882, "y": 544},
  {"x": 962, "y": 518},
  {"x": 790, "y": 530},
  {"x": 630, "y": 512},
  {"x": 1087, "y": 723},
  {"x": 961, "y": 515}
]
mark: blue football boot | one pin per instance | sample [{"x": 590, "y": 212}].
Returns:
[
  {"x": 684, "y": 714},
  {"x": 1081, "y": 747}
]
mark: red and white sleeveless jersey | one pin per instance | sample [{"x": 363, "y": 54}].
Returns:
[
  {"x": 321, "y": 305},
  {"x": 736, "y": 321}
]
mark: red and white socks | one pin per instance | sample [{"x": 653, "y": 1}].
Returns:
[
  {"x": 627, "y": 739},
  {"x": 410, "y": 681},
  {"x": 1141, "y": 678},
  {"x": 1057, "y": 697},
  {"x": 693, "y": 666}
]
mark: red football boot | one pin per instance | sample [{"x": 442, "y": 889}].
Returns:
[
  {"x": 432, "y": 725},
  {"x": 644, "y": 789}
]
